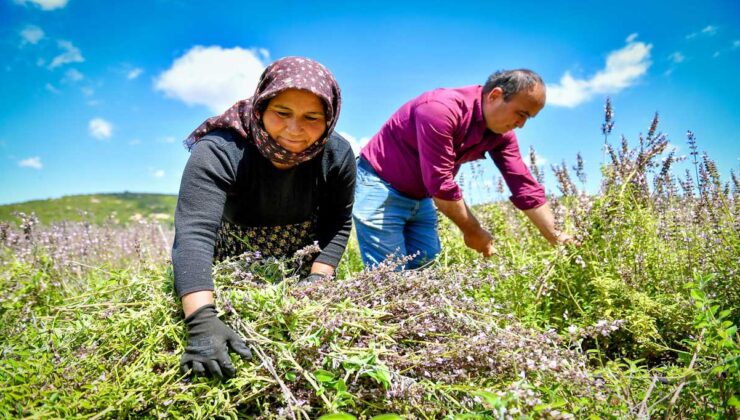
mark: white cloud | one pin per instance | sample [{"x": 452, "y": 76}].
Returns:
[
  {"x": 167, "y": 139},
  {"x": 51, "y": 88},
  {"x": 709, "y": 30},
  {"x": 677, "y": 57},
  {"x": 134, "y": 142},
  {"x": 87, "y": 91},
  {"x": 623, "y": 68},
  {"x": 100, "y": 128},
  {"x": 133, "y": 74},
  {"x": 32, "y": 34},
  {"x": 736, "y": 43},
  {"x": 159, "y": 173},
  {"x": 71, "y": 54},
  {"x": 356, "y": 144},
  {"x": 72, "y": 75},
  {"x": 716, "y": 54},
  {"x": 212, "y": 76},
  {"x": 45, "y": 4},
  {"x": 32, "y": 162}
]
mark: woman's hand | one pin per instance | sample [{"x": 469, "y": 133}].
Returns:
[{"x": 209, "y": 340}]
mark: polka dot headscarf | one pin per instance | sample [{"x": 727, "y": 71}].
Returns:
[{"x": 245, "y": 116}]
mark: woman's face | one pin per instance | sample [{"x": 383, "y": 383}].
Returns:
[{"x": 295, "y": 119}]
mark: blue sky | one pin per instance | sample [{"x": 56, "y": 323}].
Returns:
[{"x": 97, "y": 96}]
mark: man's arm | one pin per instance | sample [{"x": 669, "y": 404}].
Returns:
[
  {"x": 476, "y": 237},
  {"x": 543, "y": 218}
]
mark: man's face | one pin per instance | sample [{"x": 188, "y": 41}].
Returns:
[{"x": 502, "y": 116}]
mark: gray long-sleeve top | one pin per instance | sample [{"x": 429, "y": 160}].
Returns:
[{"x": 227, "y": 178}]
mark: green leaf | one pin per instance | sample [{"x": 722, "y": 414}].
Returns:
[
  {"x": 386, "y": 417},
  {"x": 490, "y": 398},
  {"x": 734, "y": 401},
  {"x": 558, "y": 403},
  {"x": 381, "y": 375},
  {"x": 552, "y": 405},
  {"x": 290, "y": 376},
  {"x": 718, "y": 369},
  {"x": 697, "y": 295},
  {"x": 323, "y": 376},
  {"x": 355, "y": 362},
  {"x": 338, "y": 416}
]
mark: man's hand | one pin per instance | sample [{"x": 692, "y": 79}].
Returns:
[
  {"x": 566, "y": 239},
  {"x": 475, "y": 236},
  {"x": 209, "y": 339},
  {"x": 480, "y": 240}
]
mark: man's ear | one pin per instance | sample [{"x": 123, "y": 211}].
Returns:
[{"x": 495, "y": 93}]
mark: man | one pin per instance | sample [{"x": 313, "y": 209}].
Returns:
[{"x": 410, "y": 165}]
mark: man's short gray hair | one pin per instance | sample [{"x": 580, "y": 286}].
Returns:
[{"x": 512, "y": 81}]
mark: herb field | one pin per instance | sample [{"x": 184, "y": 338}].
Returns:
[{"x": 639, "y": 321}]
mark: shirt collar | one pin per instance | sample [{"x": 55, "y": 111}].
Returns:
[{"x": 478, "y": 106}]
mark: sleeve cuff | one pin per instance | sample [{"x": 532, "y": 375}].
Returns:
[
  {"x": 328, "y": 259},
  {"x": 527, "y": 202},
  {"x": 449, "y": 195},
  {"x": 193, "y": 289}
]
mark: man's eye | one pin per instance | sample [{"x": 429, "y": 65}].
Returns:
[
  {"x": 312, "y": 118},
  {"x": 283, "y": 113}
]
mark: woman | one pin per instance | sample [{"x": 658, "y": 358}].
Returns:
[{"x": 271, "y": 163}]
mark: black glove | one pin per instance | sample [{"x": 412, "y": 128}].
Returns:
[
  {"x": 207, "y": 351},
  {"x": 310, "y": 279}
]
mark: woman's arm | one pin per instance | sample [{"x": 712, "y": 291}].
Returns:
[
  {"x": 335, "y": 208},
  {"x": 192, "y": 301},
  {"x": 207, "y": 177},
  {"x": 322, "y": 268}
]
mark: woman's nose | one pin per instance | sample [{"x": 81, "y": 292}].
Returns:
[{"x": 293, "y": 125}]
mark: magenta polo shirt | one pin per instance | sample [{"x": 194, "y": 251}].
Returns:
[{"x": 422, "y": 146}]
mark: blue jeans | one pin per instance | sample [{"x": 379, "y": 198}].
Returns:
[{"x": 389, "y": 223}]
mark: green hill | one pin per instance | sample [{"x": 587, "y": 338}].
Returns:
[{"x": 122, "y": 208}]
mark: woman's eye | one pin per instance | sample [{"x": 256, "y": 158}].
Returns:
[
  {"x": 311, "y": 118},
  {"x": 283, "y": 113}
]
